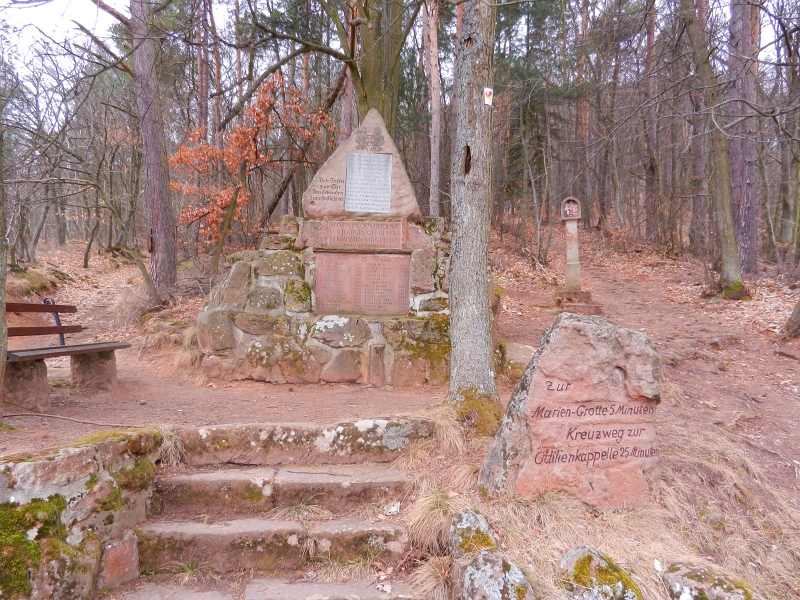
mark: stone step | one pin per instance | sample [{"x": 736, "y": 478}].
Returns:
[
  {"x": 231, "y": 493},
  {"x": 154, "y": 591},
  {"x": 279, "y": 589},
  {"x": 265, "y": 545}
]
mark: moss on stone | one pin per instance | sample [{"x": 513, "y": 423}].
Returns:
[
  {"x": 587, "y": 574},
  {"x": 476, "y": 540},
  {"x": 297, "y": 296},
  {"x": 478, "y": 410},
  {"x": 282, "y": 262},
  {"x": 20, "y": 553},
  {"x": 136, "y": 478}
]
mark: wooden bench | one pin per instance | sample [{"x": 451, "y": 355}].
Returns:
[{"x": 92, "y": 365}]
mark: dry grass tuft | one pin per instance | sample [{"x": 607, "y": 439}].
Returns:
[
  {"x": 302, "y": 512},
  {"x": 704, "y": 471},
  {"x": 429, "y": 517},
  {"x": 336, "y": 571},
  {"x": 431, "y": 580},
  {"x": 171, "y": 452}
]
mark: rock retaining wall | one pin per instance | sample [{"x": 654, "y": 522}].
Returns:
[{"x": 261, "y": 321}]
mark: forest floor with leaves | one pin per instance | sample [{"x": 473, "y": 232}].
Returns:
[{"x": 728, "y": 424}]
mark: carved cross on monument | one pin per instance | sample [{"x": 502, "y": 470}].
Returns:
[{"x": 572, "y": 298}]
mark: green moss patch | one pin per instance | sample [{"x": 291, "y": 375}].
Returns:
[
  {"x": 23, "y": 532},
  {"x": 479, "y": 411}
]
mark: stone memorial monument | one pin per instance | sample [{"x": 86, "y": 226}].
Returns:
[
  {"x": 572, "y": 298},
  {"x": 354, "y": 292},
  {"x": 582, "y": 418}
]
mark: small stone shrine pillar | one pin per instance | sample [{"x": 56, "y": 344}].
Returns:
[
  {"x": 571, "y": 214},
  {"x": 572, "y": 298}
]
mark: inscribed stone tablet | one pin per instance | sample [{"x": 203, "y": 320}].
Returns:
[
  {"x": 375, "y": 235},
  {"x": 585, "y": 423},
  {"x": 369, "y": 183},
  {"x": 362, "y": 284}
]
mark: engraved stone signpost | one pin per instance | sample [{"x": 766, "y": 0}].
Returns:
[{"x": 582, "y": 421}]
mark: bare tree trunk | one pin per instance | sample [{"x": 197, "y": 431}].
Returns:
[
  {"x": 730, "y": 279},
  {"x": 472, "y": 384},
  {"x": 698, "y": 225},
  {"x": 3, "y": 257},
  {"x": 651, "y": 175},
  {"x": 432, "y": 62},
  {"x": 163, "y": 260},
  {"x": 37, "y": 232},
  {"x": 743, "y": 47}
]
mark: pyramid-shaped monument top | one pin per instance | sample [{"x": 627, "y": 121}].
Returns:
[{"x": 365, "y": 176}]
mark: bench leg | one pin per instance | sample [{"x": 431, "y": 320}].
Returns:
[
  {"x": 97, "y": 370},
  {"x": 26, "y": 385}
]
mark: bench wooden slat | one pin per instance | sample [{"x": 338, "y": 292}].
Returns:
[
  {"x": 42, "y": 308},
  {"x": 23, "y": 331},
  {"x": 53, "y": 351}
]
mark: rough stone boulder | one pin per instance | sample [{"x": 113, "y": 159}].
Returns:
[
  {"x": 687, "y": 581},
  {"x": 487, "y": 575},
  {"x": 591, "y": 575},
  {"x": 491, "y": 577},
  {"x": 582, "y": 418}
]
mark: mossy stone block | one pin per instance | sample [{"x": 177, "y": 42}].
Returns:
[{"x": 280, "y": 262}]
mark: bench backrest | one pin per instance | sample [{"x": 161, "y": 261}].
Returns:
[{"x": 55, "y": 309}]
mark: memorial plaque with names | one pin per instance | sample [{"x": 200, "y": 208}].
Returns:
[
  {"x": 368, "y": 184},
  {"x": 362, "y": 284},
  {"x": 372, "y": 235}
]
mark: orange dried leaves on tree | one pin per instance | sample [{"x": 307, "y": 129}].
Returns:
[{"x": 272, "y": 128}]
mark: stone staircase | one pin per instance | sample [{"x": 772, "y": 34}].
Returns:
[{"x": 273, "y": 525}]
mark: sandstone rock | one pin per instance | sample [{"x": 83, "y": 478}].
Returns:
[
  {"x": 289, "y": 225},
  {"x": 377, "y": 372},
  {"x": 470, "y": 532},
  {"x": 26, "y": 385},
  {"x": 423, "y": 267},
  {"x": 120, "y": 562},
  {"x": 581, "y": 419},
  {"x": 489, "y": 576},
  {"x": 433, "y": 304},
  {"x": 297, "y": 296},
  {"x": 686, "y": 581},
  {"x": 320, "y": 354},
  {"x": 431, "y": 330},
  {"x": 517, "y": 357},
  {"x": 419, "y": 239},
  {"x": 408, "y": 371},
  {"x": 341, "y": 332},
  {"x": 66, "y": 574},
  {"x": 263, "y": 300},
  {"x": 214, "y": 331},
  {"x": 326, "y": 194},
  {"x": 590, "y": 575},
  {"x": 97, "y": 370},
  {"x": 363, "y": 441},
  {"x": 263, "y": 325},
  {"x": 311, "y": 234},
  {"x": 236, "y": 287},
  {"x": 279, "y": 262},
  {"x": 243, "y": 256},
  {"x": 345, "y": 366},
  {"x": 300, "y": 367}
]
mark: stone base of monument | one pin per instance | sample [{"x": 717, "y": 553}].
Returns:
[
  {"x": 334, "y": 300},
  {"x": 582, "y": 309},
  {"x": 576, "y": 297}
]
